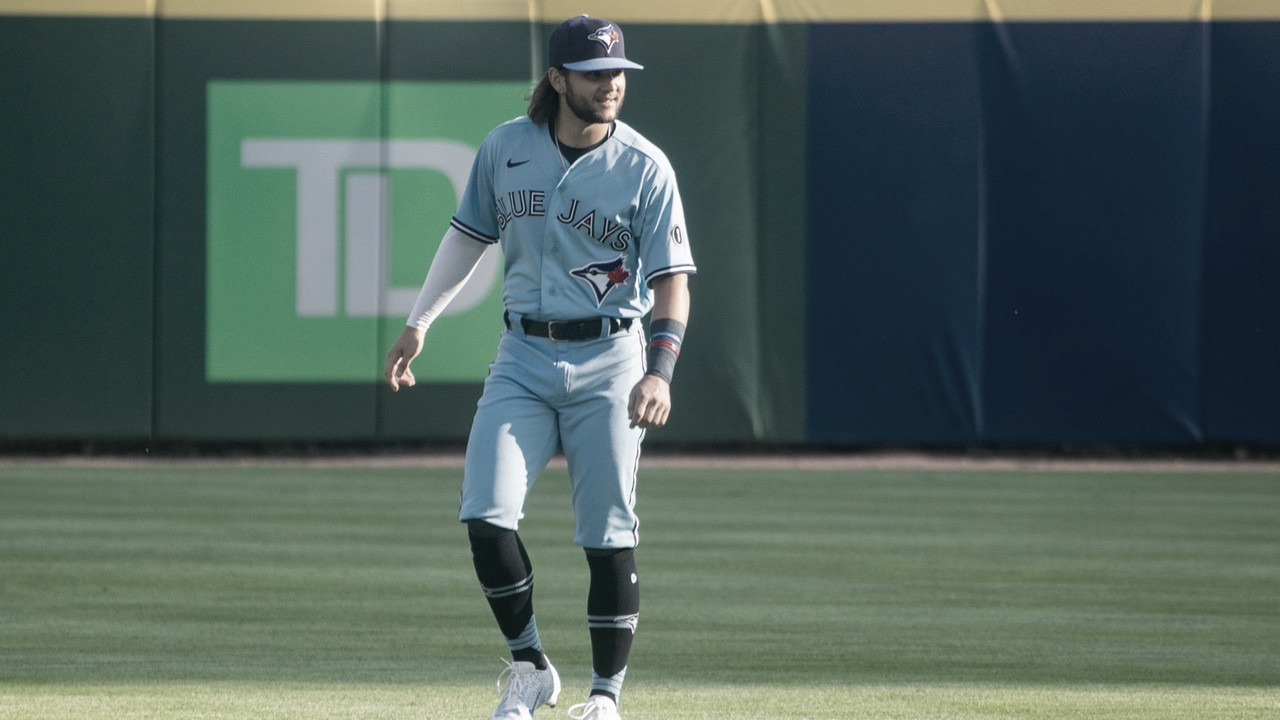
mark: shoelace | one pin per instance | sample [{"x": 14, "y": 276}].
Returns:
[
  {"x": 515, "y": 684},
  {"x": 585, "y": 711}
]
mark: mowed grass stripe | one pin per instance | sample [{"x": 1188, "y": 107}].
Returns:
[
  {"x": 854, "y": 594},
  {"x": 1050, "y": 578}
]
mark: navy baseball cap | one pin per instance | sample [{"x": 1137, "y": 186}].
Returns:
[{"x": 588, "y": 44}]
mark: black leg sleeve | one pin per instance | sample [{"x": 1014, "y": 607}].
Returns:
[
  {"x": 613, "y": 608},
  {"x": 505, "y": 575}
]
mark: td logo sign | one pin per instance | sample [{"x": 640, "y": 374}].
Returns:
[{"x": 326, "y": 203}]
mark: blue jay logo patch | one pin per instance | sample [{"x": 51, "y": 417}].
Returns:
[
  {"x": 603, "y": 276},
  {"x": 606, "y": 36}
]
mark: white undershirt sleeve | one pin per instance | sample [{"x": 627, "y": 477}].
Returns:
[{"x": 454, "y": 262}]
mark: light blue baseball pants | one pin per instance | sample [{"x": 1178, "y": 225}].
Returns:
[{"x": 542, "y": 396}]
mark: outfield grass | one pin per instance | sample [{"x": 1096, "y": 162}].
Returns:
[{"x": 167, "y": 592}]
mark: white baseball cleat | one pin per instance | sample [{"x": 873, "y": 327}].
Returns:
[
  {"x": 597, "y": 707},
  {"x": 528, "y": 688}
]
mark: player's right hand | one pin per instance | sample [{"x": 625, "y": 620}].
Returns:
[
  {"x": 405, "y": 349},
  {"x": 650, "y": 403}
]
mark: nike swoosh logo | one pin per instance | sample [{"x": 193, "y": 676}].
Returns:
[{"x": 512, "y": 163}]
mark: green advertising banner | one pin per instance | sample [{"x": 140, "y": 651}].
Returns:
[{"x": 326, "y": 203}]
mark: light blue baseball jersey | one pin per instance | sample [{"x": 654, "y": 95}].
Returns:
[{"x": 578, "y": 240}]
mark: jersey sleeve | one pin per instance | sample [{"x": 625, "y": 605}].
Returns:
[
  {"x": 664, "y": 245},
  {"x": 475, "y": 216}
]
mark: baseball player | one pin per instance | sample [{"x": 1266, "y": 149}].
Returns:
[{"x": 592, "y": 232}]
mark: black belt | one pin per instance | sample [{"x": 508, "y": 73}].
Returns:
[{"x": 581, "y": 329}]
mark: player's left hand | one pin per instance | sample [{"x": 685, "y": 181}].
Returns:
[{"x": 650, "y": 403}]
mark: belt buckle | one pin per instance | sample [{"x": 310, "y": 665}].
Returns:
[{"x": 551, "y": 330}]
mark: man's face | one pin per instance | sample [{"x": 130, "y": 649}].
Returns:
[{"x": 595, "y": 97}]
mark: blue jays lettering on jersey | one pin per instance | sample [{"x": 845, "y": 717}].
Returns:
[{"x": 577, "y": 240}]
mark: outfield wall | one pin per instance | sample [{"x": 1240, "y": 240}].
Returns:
[{"x": 918, "y": 222}]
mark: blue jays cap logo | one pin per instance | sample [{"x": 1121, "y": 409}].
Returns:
[
  {"x": 603, "y": 276},
  {"x": 606, "y": 36}
]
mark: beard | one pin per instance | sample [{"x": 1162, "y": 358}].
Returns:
[{"x": 582, "y": 108}]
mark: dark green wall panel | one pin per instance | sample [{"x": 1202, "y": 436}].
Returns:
[
  {"x": 781, "y": 109},
  {"x": 76, "y": 227}
]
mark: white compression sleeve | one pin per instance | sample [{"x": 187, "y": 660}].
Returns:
[{"x": 454, "y": 262}]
